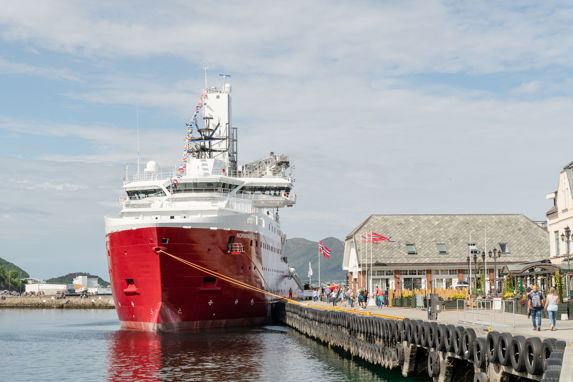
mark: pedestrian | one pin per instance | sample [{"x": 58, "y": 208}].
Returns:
[
  {"x": 365, "y": 298},
  {"x": 351, "y": 298},
  {"x": 380, "y": 298},
  {"x": 328, "y": 292},
  {"x": 534, "y": 306},
  {"x": 361, "y": 298},
  {"x": 333, "y": 296},
  {"x": 289, "y": 293},
  {"x": 551, "y": 307}
]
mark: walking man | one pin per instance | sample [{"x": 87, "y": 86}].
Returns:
[{"x": 534, "y": 306}]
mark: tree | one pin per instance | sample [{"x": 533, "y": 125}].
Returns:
[
  {"x": 559, "y": 285},
  {"x": 508, "y": 285}
]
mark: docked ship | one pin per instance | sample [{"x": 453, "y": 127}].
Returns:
[{"x": 201, "y": 246}]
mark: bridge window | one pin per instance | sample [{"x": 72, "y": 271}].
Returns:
[{"x": 142, "y": 194}]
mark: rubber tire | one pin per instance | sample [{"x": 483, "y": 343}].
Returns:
[
  {"x": 503, "y": 347},
  {"x": 467, "y": 343},
  {"x": 410, "y": 332},
  {"x": 458, "y": 340},
  {"x": 492, "y": 342},
  {"x": 517, "y": 353},
  {"x": 450, "y": 338},
  {"x": 533, "y": 349},
  {"x": 431, "y": 335},
  {"x": 418, "y": 332},
  {"x": 433, "y": 364},
  {"x": 479, "y": 352},
  {"x": 406, "y": 330},
  {"x": 442, "y": 333},
  {"x": 548, "y": 348},
  {"x": 424, "y": 334}
]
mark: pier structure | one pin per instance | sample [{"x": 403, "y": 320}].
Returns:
[{"x": 443, "y": 351}]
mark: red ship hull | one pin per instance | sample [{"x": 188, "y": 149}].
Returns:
[{"x": 153, "y": 291}]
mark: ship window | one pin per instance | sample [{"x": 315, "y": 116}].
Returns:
[
  {"x": 171, "y": 217},
  {"x": 142, "y": 194},
  {"x": 129, "y": 281},
  {"x": 164, "y": 240},
  {"x": 209, "y": 280},
  {"x": 203, "y": 187}
]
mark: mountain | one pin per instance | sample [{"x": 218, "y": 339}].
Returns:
[
  {"x": 300, "y": 251},
  {"x": 12, "y": 267},
  {"x": 69, "y": 278}
]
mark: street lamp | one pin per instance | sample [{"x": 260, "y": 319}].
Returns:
[
  {"x": 484, "y": 271},
  {"x": 567, "y": 235},
  {"x": 469, "y": 275},
  {"x": 496, "y": 253},
  {"x": 476, "y": 272}
]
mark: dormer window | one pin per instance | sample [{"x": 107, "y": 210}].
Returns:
[
  {"x": 411, "y": 249},
  {"x": 503, "y": 248},
  {"x": 442, "y": 248}
]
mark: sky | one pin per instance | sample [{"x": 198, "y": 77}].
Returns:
[{"x": 383, "y": 107}]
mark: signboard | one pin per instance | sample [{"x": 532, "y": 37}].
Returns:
[{"x": 497, "y": 305}]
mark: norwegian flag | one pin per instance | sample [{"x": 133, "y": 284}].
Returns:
[
  {"x": 378, "y": 237},
  {"x": 323, "y": 249},
  {"x": 366, "y": 239}
]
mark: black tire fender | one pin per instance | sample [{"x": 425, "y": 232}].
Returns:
[
  {"x": 458, "y": 340},
  {"x": 433, "y": 364},
  {"x": 467, "y": 343},
  {"x": 503, "y": 348},
  {"x": 479, "y": 352},
  {"x": 533, "y": 350},
  {"x": 549, "y": 346},
  {"x": 517, "y": 353},
  {"x": 492, "y": 342}
]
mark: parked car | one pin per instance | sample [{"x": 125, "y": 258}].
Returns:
[{"x": 462, "y": 285}]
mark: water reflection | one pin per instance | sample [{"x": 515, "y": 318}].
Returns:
[
  {"x": 212, "y": 355},
  {"x": 255, "y": 354}
]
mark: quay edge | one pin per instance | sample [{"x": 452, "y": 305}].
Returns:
[{"x": 442, "y": 352}]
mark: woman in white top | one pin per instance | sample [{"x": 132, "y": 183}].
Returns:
[{"x": 551, "y": 307}]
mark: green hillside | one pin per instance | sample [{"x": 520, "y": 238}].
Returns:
[
  {"x": 8, "y": 266},
  {"x": 300, "y": 251},
  {"x": 69, "y": 278}
]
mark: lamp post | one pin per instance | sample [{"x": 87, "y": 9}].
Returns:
[
  {"x": 476, "y": 272},
  {"x": 484, "y": 271},
  {"x": 564, "y": 236},
  {"x": 495, "y": 253},
  {"x": 469, "y": 275}
]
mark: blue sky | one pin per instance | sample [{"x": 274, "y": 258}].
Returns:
[{"x": 383, "y": 107}]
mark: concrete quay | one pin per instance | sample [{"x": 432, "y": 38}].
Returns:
[
  {"x": 47, "y": 302},
  {"x": 445, "y": 349}
]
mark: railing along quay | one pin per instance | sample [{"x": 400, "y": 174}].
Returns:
[{"x": 443, "y": 352}]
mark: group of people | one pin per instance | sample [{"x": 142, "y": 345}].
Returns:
[
  {"x": 347, "y": 297},
  {"x": 536, "y": 302}
]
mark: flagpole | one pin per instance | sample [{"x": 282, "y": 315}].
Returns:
[
  {"x": 319, "y": 267},
  {"x": 371, "y": 298}
]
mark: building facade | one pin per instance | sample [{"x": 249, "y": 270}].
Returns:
[
  {"x": 440, "y": 251},
  {"x": 560, "y": 217}
]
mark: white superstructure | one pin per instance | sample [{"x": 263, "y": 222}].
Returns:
[{"x": 210, "y": 191}]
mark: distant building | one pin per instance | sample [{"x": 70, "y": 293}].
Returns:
[
  {"x": 437, "y": 251},
  {"x": 48, "y": 289},
  {"x": 560, "y": 216}
]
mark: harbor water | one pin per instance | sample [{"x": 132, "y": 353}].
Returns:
[{"x": 88, "y": 345}]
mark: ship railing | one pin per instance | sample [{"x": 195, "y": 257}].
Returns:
[{"x": 158, "y": 175}]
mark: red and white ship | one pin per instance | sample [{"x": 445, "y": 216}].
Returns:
[{"x": 210, "y": 212}]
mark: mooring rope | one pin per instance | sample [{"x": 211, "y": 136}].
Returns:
[{"x": 244, "y": 285}]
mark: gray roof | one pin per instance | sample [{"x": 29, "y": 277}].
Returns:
[{"x": 526, "y": 241}]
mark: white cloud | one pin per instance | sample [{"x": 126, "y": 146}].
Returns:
[
  {"x": 12, "y": 67},
  {"x": 305, "y": 38}
]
